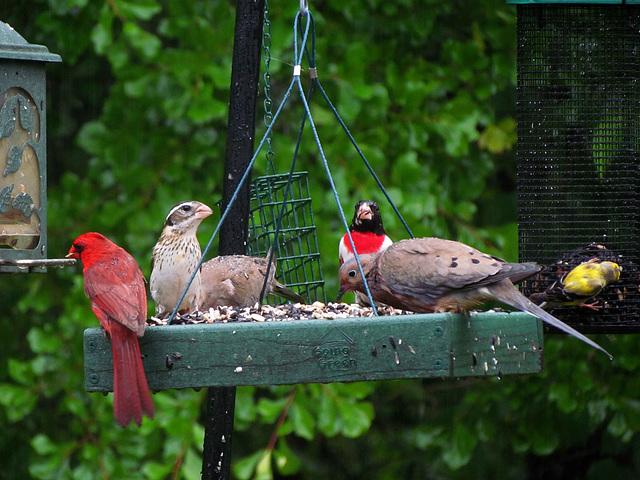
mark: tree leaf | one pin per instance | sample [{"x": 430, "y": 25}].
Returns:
[
  {"x": 144, "y": 42},
  {"x": 244, "y": 468},
  {"x": 140, "y": 9},
  {"x": 463, "y": 444},
  {"x": 301, "y": 419},
  {"x": 286, "y": 461},
  {"x": 43, "y": 445},
  {"x": 357, "y": 418}
]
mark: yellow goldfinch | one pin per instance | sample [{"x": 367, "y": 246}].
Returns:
[{"x": 580, "y": 285}]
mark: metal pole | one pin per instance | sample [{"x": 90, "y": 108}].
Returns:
[{"x": 245, "y": 71}]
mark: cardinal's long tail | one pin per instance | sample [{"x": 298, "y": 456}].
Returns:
[
  {"x": 507, "y": 293},
  {"x": 131, "y": 397}
]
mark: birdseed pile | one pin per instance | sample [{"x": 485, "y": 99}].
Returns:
[{"x": 277, "y": 313}]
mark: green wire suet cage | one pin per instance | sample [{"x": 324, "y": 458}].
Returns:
[{"x": 293, "y": 237}]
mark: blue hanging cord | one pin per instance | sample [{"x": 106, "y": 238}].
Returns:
[
  {"x": 368, "y": 165},
  {"x": 311, "y": 58},
  {"x": 296, "y": 77},
  {"x": 295, "y": 156}
]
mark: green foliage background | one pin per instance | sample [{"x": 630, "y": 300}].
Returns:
[{"x": 137, "y": 118}]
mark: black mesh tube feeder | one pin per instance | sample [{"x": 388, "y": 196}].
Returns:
[{"x": 578, "y": 109}]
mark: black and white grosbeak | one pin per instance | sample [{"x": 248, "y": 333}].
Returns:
[
  {"x": 369, "y": 237},
  {"x": 175, "y": 257}
]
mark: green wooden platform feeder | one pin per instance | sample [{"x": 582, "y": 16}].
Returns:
[{"x": 324, "y": 351}]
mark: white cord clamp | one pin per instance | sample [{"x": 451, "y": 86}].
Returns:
[{"x": 296, "y": 70}]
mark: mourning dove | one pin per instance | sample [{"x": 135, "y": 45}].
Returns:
[
  {"x": 237, "y": 281},
  {"x": 436, "y": 275}
]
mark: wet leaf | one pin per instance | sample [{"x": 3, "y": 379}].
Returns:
[
  {"x": 357, "y": 418},
  {"x": 302, "y": 420},
  {"x": 8, "y": 128},
  {"x": 43, "y": 444},
  {"x": 263, "y": 468},
  {"x": 24, "y": 203},
  {"x": 142, "y": 9},
  {"x": 244, "y": 468},
  {"x": 5, "y": 198},
  {"x": 285, "y": 459},
  {"x": 26, "y": 114},
  {"x": 464, "y": 442},
  {"x": 14, "y": 160},
  {"x": 21, "y": 400},
  {"x": 270, "y": 409}
]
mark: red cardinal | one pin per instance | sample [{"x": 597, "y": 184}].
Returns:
[
  {"x": 114, "y": 283},
  {"x": 368, "y": 236}
]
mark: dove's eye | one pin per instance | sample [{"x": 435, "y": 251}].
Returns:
[{"x": 352, "y": 273}]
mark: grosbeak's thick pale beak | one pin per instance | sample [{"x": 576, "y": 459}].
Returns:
[
  {"x": 203, "y": 211},
  {"x": 365, "y": 213}
]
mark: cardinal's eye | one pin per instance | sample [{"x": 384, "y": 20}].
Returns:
[
  {"x": 78, "y": 247},
  {"x": 352, "y": 273}
]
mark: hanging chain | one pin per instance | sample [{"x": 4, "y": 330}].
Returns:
[{"x": 268, "y": 103}]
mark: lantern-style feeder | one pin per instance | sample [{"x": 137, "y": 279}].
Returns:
[{"x": 23, "y": 153}]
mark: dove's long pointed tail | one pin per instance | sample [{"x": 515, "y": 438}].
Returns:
[
  {"x": 285, "y": 292},
  {"x": 507, "y": 293}
]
